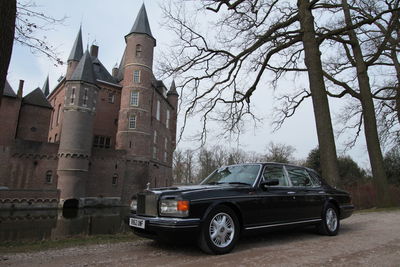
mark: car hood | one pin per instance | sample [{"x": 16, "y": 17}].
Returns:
[{"x": 185, "y": 188}]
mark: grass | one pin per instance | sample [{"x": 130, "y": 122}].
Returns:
[{"x": 32, "y": 246}]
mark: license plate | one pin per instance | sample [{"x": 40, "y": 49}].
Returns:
[{"x": 139, "y": 223}]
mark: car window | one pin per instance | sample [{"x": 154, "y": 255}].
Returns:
[
  {"x": 299, "y": 177},
  {"x": 275, "y": 172},
  {"x": 315, "y": 178},
  {"x": 245, "y": 173}
]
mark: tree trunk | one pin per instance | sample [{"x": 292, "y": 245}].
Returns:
[
  {"x": 322, "y": 115},
  {"x": 8, "y": 9},
  {"x": 370, "y": 127}
]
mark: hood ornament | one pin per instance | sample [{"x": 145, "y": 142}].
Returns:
[{"x": 148, "y": 186}]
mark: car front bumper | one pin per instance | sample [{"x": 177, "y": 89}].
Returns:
[
  {"x": 166, "y": 228},
  {"x": 346, "y": 211}
]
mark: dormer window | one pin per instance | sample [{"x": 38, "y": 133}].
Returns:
[
  {"x": 136, "y": 76},
  {"x": 138, "y": 50}
]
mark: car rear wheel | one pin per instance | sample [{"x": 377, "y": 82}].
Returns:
[
  {"x": 330, "y": 221},
  {"x": 220, "y": 231}
]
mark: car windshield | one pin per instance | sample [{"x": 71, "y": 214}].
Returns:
[{"x": 236, "y": 174}]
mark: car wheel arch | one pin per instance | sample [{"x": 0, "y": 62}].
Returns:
[
  {"x": 334, "y": 203},
  {"x": 230, "y": 205}
]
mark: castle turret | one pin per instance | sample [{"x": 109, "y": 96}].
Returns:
[
  {"x": 77, "y": 131},
  {"x": 75, "y": 55},
  {"x": 134, "y": 132},
  {"x": 172, "y": 97},
  {"x": 45, "y": 87}
]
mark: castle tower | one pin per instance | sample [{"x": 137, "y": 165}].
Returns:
[
  {"x": 45, "y": 87},
  {"x": 77, "y": 131},
  {"x": 172, "y": 97},
  {"x": 134, "y": 121},
  {"x": 75, "y": 55}
]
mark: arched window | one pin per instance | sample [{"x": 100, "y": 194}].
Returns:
[
  {"x": 58, "y": 114},
  {"x": 114, "y": 179},
  {"x": 49, "y": 177},
  {"x": 138, "y": 50},
  {"x": 55, "y": 138}
]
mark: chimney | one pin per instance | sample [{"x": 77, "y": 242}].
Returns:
[
  {"x": 20, "y": 88},
  {"x": 94, "y": 51},
  {"x": 115, "y": 71}
]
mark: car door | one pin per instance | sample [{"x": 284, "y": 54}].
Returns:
[
  {"x": 275, "y": 204},
  {"x": 308, "y": 195}
]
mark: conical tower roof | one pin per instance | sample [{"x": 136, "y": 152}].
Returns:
[
  {"x": 141, "y": 24},
  {"x": 45, "y": 87},
  {"x": 172, "y": 89},
  {"x": 77, "y": 49},
  {"x": 84, "y": 71}
]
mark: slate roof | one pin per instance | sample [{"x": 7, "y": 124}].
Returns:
[
  {"x": 141, "y": 24},
  {"x": 8, "y": 91},
  {"x": 77, "y": 49},
  {"x": 172, "y": 89},
  {"x": 36, "y": 98},
  {"x": 101, "y": 73},
  {"x": 45, "y": 87},
  {"x": 84, "y": 71}
]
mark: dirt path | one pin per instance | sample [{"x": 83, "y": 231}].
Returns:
[{"x": 367, "y": 239}]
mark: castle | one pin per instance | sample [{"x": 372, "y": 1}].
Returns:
[{"x": 97, "y": 138}]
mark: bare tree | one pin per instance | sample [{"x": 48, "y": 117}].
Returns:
[{"x": 279, "y": 153}]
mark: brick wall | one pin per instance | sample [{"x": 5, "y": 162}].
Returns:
[{"x": 34, "y": 123}]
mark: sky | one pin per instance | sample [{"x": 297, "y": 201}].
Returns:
[{"x": 105, "y": 23}]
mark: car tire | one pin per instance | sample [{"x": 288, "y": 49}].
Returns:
[
  {"x": 330, "y": 223},
  {"x": 219, "y": 231}
]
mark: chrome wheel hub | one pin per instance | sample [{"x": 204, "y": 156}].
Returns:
[
  {"x": 222, "y": 230},
  {"x": 331, "y": 219}
]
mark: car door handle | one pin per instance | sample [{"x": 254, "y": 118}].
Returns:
[
  {"x": 291, "y": 192},
  {"x": 321, "y": 192}
]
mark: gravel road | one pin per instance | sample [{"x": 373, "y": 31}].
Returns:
[{"x": 367, "y": 239}]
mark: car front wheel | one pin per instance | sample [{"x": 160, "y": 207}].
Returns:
[
  {"x": 330, "y": 221},
  {"x": 220, "y": 231}
]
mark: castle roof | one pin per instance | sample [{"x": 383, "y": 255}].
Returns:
[
  {"x": 101, "y": 73},
  {"x": 141, "y": 24},
  {"x": 172, "y": 89},
  {"x": 36, "y": 98},
  {"x": 84, "y": 71},
  {"x": 77, "y": 49},
  {"x": 8, "y": 91},
  {"x": 45, "y": 87}
]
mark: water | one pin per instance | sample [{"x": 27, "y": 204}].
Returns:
[{"x": 38, "y": 225}]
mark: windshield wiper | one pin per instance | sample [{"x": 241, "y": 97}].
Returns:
[{"x": 239, "y": 183}]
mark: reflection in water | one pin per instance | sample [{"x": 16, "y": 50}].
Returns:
[{"x": 36, "y": 225}]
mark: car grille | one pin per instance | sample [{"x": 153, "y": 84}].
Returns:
[{"x": 147, "y": 204}]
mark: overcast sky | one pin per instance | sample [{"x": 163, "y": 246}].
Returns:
[{"x": 105, "y": 23}]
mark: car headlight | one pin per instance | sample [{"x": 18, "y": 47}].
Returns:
[
  {"x": 134, "y": 205},
  {"x": 172, "y": 207}
]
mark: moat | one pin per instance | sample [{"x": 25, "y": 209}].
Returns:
[{"x": 38, "y": 225}]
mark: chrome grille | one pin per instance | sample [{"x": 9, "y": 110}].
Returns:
[{"x": 147, "y": 204}]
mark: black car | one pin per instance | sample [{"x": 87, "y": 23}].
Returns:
[{"x": 240, "y": 199}]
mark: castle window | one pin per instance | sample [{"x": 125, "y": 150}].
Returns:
[
  {"x": 72, "y": 96},
  {"x": 155, "y": 137},
  {"x": 111, "y": 97},
  {"x": 114, "y": 180},
  {"x": 136, "y": 76},
  {"x": 49, "y": 177},
  {"x": 102, "y": 141},
  {"x": 158, "y": 110},
  {"x": 138, "y": 50},
  {"x": 85, "y": 97},
  {"x": 134, "y": 98},
  {"x": 55, "y": 138},
  {"x": 58, "y": 114},
  {"x": 165, "y": 149},
  {"x": 132, "y": 122},
  {"x": 154, "y": 152},
  {"x": 167, "y": 119}
]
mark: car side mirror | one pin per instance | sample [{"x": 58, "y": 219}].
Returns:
[{"x": 270, "y": 182}]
